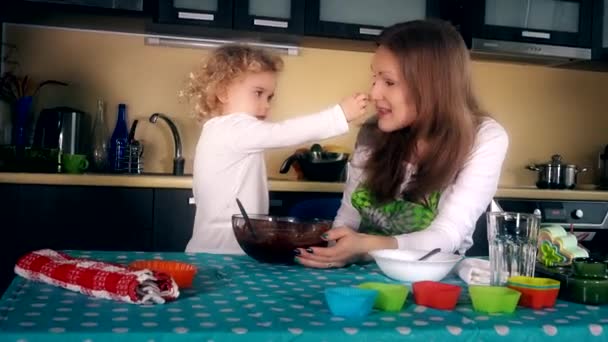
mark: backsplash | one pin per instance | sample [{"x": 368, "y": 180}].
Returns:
[{"x": 544, "y": 110}]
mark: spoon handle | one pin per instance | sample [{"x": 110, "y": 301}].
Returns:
[
  {"x": 429, "y": 254},
  {"x": 246, "y": 217}
]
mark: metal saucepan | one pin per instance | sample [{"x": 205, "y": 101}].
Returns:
[{"x": 556, "y": 174}]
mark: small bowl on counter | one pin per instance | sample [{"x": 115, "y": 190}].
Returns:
[
  {"x": 591, "y": 291},
  {"x": 391, "y": 297},
  {"x": 350, "y": 302},
  {"x": 436, "y": 295},
  {"x": 588, "y": 282},
  {"x": 403, "y": 265},
  {"x": 536, "y": 293},
  {"x": 183, "y": 273},
  {"x": 493, "y": 299}
]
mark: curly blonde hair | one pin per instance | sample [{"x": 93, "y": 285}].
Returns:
[{"x": 225, "y": 64}]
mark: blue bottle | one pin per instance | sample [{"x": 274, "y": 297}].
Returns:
[{"x": 118, "y": 141}]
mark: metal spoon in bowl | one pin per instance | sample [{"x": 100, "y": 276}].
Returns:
[
  {"x": 429, "y": 254},
  {"x": 246, "y": 217}
]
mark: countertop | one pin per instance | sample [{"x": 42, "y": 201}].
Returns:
[{"x": 152, "y": 180}]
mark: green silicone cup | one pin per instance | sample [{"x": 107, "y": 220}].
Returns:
[
  {"x": 491, "y": 299},
  {"x": 391, "y": 297}
]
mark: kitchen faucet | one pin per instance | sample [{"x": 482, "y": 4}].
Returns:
[{"x": 178, "y": 160}]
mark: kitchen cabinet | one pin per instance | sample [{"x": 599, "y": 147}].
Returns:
[
  {"x": 9, "y": 219},
  {"x": 125, "y": 16},
  {"x": 600, "y": 30},
  {"x": 214, "y": 13},
  {"x": 114, "y": 7},
  {"x": 281, "y": 203},
  {"x": 363, "y": 19},
  {"x": 270, "y": 15},
  {"x": 552, "y": 22},
  {"x": 173, "y": 219},
  {"x": 93, "y": 218},
  {"x": 283, "y": 16}
]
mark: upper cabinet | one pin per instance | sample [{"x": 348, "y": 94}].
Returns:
[
  {"x": 216, "y": 13},
  {"x": 363, "y": 19},
  {"x": 568, "y": 33},
  {"x": 600, "y": 29},
  {"x": 275, "y": 16},
  {"x": 560, "y": 28},
  {"x": 556, "y": 22},
  {"x": 270, "y": 15},
  {"x": 96, "y": 6}
]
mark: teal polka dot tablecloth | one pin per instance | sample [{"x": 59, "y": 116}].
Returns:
[{"x": 235, "y": 298}]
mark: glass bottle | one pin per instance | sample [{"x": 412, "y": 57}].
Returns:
[
  {"x": 118, "y": 141},
  {"x": 99, "y": 151}
]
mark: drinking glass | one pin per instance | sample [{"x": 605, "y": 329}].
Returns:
[{"x": 512, "y": 242}]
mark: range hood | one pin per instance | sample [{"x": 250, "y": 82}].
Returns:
[{"x": 542, "y": 54}]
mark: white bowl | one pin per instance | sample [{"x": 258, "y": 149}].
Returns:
[{"x": 403, "y": 265}]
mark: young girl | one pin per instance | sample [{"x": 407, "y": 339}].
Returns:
[{"x": 233, "y": 91}]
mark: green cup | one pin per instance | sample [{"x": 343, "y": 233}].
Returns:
[
  {"x": 74, "y": 163},
  {"x": 391, "y": 297}
]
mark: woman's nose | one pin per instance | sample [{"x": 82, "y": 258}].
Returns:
[{"x": 375, "y": 92}]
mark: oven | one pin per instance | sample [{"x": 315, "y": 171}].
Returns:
[{"x": 588, "y": 220}]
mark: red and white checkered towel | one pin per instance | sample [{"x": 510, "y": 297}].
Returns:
[{"x": 96, "y": 278}]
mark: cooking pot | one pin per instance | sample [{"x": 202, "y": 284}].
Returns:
[
  {"x": 319, "y": 166},
  {"x": 556, "y": 174}
]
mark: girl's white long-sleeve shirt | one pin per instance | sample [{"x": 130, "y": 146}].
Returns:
[
  {"x": 460, "y": 205},
  {"x": 229, "y": 163}
]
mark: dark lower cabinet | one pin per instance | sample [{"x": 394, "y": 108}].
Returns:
[
  {"x": 9, "y": 227},
  {"x": 173, "y": 219},
  {"x": 282, "y": 202},
  {"x": 71, "y": 217},
  {"x": 91, "y": 218}
]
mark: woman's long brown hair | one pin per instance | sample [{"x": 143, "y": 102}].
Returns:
[{"x": 435, "y": 65}]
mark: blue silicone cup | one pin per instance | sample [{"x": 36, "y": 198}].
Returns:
[{"x": 350, "y": 302}]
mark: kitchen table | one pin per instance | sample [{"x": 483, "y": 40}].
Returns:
[{"x": 235, "y": 298}]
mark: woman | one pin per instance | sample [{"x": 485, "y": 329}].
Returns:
[{"x": 427, "y": 167}]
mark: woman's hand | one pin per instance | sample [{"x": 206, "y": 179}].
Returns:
[{"x": 349, "y": 247}]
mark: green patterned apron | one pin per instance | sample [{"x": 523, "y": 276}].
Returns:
[{"x": 393, "y": 218}]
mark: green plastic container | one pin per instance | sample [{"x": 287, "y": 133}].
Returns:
[
  {"x": 491, "y": 299},
  {"x": 391, "y": 297}
]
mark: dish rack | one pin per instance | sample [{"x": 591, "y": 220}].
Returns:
[{"x": 132, "y": 160}]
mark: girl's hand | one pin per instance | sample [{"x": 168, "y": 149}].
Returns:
[
  {"x": 349, "y": 247},
  {"x": 354, "y": 106}
]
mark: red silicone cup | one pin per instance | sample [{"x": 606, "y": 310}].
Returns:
[
  {"x": 536, "y": 298},
  {"x": 183, "y": 273},
  {"x": 436, "y": 295}
]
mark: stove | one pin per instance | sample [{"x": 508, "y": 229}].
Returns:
[{"x": 588, "y": 220}]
